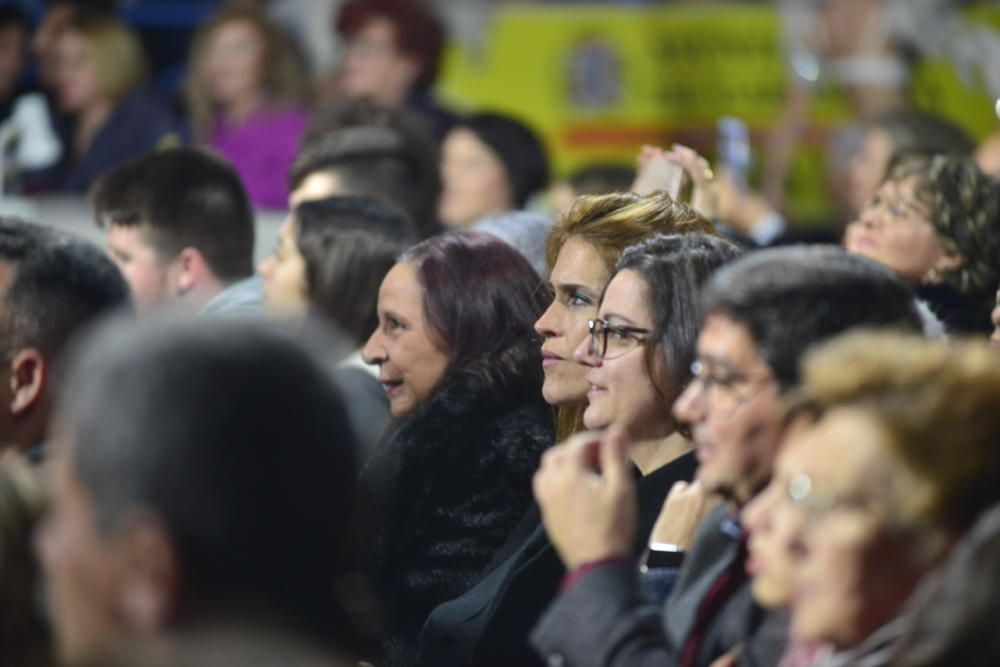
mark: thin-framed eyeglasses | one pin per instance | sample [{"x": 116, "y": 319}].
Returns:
[
  {"x": 726, "y": 391},
  {"x": 610, "y": 341}
]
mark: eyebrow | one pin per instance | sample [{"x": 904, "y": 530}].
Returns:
[
  {"x": 608, "y": 316},
  {"x": 571, "y": 287}
]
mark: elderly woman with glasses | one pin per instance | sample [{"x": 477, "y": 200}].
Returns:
[
  {"x": 899, "y": 461},
  {"x": 934, "y": 221}
]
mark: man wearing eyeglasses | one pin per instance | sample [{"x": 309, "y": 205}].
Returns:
[{"x": 761, "y": 314}]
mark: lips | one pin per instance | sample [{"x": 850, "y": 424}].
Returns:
[
  {"x": 391, "y": 386},
  {"x": 550, "y": 359}
]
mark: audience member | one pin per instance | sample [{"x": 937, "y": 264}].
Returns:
[
  {"x": 51, "y": 287},
  {"x": 379, "y": 157},
  {"x": 936, "y": 222},
  {"x": 245, "y": 93},
  {"x": 179, "y": 225},
  {"x": 462, "y": 370},
  {"x": 331, "y": 258},
  {"x": 392, "y": 51},
  {"x": 490, "y": 164},
  {"x": 100, "y": 86},
  {"x": 57, "y": 17},
  {"x": 885, "y": 501},
  {"x": 761, "y": 313},
  {"x": 581, "y": 253},
  {"x": 188, "y": 509},
  {"x": 638, "y": 354}
]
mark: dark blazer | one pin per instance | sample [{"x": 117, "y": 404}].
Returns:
[
  {"x": 490, "y": 624},
  {"x": 442, "y": 495},
  {"x": 603, "y": 619}
]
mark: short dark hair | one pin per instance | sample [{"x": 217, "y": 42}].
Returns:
[
  {"x": 349, "y": 244},
  {"x": 380, "y": 162},
  {"x": 235, "y": 435},
  {"x": 481, "y": 299},
  {"x": 518, "y": 147},
  {"x": 793, "y": 297},
  {"x": 919, "y": 132},
  {"x": 674, "y": 268},
  {"x": 60, "y": 284},
  {"x": 185, "y": 197},
  {"x": 419, "y": 34}
]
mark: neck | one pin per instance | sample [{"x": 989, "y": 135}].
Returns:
[
  {"x": 651, "y": 455},
  {"x": 240, "y": 109}
]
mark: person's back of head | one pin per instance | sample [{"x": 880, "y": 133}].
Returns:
[
  {"x": 52, "y": 286},
  {"x": 919, "y": 132},
  {"x": 376, "y": 161},
  {"x": 177, "y": 201},
  {"x": 175, "y": 443},
  {"x": 349, "y": 244},
  {"x": 791, "y": 298}
]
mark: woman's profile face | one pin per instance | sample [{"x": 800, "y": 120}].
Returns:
[
  {"x": 233, "y": 61},
  {"x": 474, "y": 181},
  {"x": 621, "y": 389},
  {"x": 411, "y": 361},
  {"x": 77, "y": 81},
  {"x": 856, "y": 572},
  {"x": 578, "y": 278},
  {"x": 895, "y": 230},
  {"x": 284, "y": 274}
]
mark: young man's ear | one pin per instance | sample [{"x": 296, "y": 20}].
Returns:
[
  {"x": 190, "y": 268},
  {"x": 28, "y": 377}
]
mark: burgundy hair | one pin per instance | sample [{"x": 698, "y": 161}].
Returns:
[
  {"x": 419, "y": 33},
  {"x": 481, "y": 299}
]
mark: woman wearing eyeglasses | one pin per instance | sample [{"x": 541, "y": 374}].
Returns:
[
  {"x": 899, "y": 462},
  {"x": 933, "y": 221}
]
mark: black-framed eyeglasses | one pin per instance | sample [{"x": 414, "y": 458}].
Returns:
[
  {"x": 609, "y": 341},
  {"x": 728, "y": 391}
]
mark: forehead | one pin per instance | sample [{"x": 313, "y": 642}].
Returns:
[
  {"x": 579, "y": 263},
  {"x": 401, "y": 289},
  {"x": 726, "y": 341},
  {"x": 626, "y": 296},
  {"x": 317, "y": 185},
  {"x": 841, "y": 449}
]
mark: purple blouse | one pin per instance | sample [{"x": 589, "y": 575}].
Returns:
[{"x": 262, "y": 149}]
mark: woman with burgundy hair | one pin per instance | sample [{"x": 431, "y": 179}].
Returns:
[
  {"x": 461, "y": 366},
  {"x": 392, "y": 54}
]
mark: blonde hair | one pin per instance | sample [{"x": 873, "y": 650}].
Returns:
[
  {"x": 937, "y": 405},
  {"x": 611, "y": 223},
  {"x": 116, "y": 52},
  {"x": 282, "y": 78}
]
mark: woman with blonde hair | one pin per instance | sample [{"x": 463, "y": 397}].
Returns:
[
  {"x": 100, "y": 76},
  {"x": 901, "y": 461},
  {"x": 245, "y": 93}
]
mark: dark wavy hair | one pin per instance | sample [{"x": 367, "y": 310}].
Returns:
[
  {"x": 674, "y": 268},
  {"x": 481, "y": 300},
  {"x": 965, "y": 213}
]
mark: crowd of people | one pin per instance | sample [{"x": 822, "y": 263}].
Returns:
[{"x": 438, "y": 428}]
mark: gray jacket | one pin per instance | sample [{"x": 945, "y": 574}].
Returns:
[{"x": 603, "y": 619}]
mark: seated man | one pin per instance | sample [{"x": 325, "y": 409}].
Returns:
[
  {"x": 761, "y": 314},
  {"x": 51, "y": 286},
  {"x": 181, "y": 229},
  {"x": 191, "y": 515},
  {"x": 374, "y": 154}
]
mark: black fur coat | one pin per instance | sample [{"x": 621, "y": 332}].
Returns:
[{"x": 446, "y": 489}]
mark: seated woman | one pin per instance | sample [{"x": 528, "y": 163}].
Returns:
[
  {"x": 490, "y": 165},
  {"x": 99, "y": 85},
  {"x": 491, "y": 622},
  {"x": 245, "y": 92},
  {"x": 331, "y": 257},
  {"x": 462, "y": 370},
  {"x": 936, "y": 222},
  {"x": 881, "y": 501}
]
